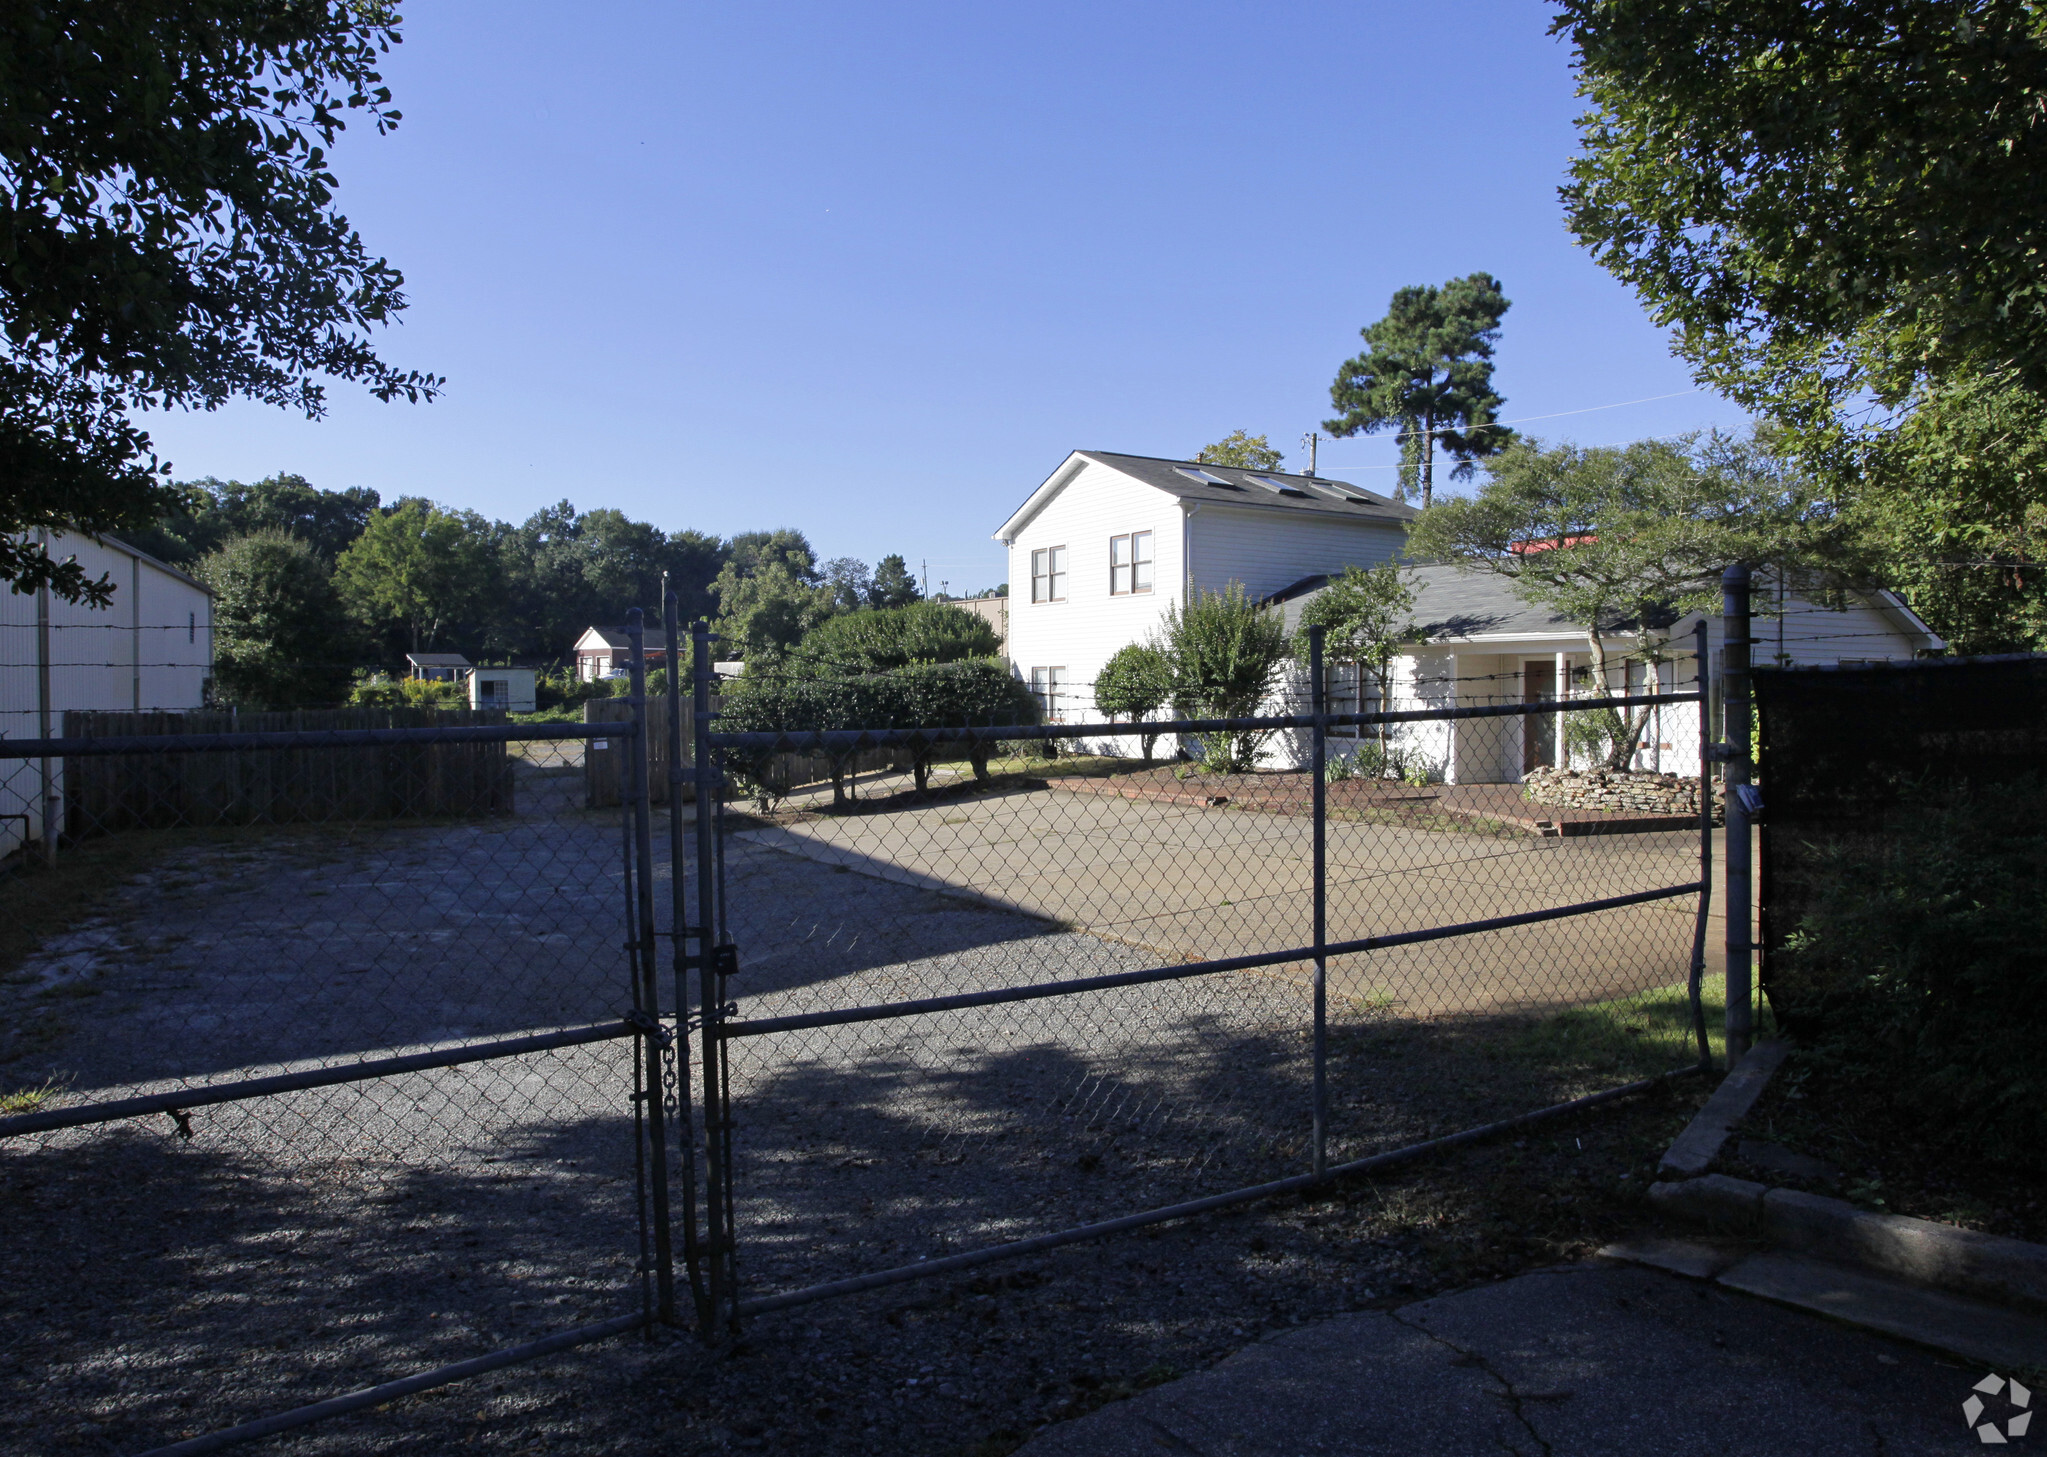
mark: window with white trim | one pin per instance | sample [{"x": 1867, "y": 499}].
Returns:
[
  {"x": 1048, "y": 686},
  {"x": 1130, "y": 564},
  {"x": 1048, "y": 574}
]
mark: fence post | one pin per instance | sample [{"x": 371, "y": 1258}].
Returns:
[
  {"x": 1701, "y": 656},
  {"x": 1317, "y": 763},
  {"x": 646, "y": 983},
  {"x": 678, "y": 945},
  {"x": 1735, "y": 722},
  {"x": 721, "y": 1299}
]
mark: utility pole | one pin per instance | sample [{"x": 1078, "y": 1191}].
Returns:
[
  {"x": 1309, "y": 441},
  {"x": 924, "y": 570}
]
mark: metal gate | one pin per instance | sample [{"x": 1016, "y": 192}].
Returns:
[
  {"x": 367, "y": 1038},
  {"x": 1013, "y": 1010}
]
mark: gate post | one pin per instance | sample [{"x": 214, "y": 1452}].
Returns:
[
  {"x": 1735, "y": 722},
  {"x": 645, "y": 979},
  {"x": 721, "y": 1295},
  {"x": 1702, "y": 656},
  {"x": 1317, "y": 763},
  {"x": 646, "y": 984},
  {"x": 678, "y": 942}
]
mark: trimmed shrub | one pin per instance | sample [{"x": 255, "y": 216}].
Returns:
[
  {"x": 1134, "y": 684},
  {"x": 930, "y": 695},
  {"x": 882, "y": 640}
]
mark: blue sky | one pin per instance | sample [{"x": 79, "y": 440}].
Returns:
[{"x": 873, "y": 270}]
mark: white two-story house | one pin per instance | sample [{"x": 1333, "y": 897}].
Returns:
[{"x": 1108, "y": 543}]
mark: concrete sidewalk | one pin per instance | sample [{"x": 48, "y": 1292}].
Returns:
[{"x": 1585, "y": 1361}]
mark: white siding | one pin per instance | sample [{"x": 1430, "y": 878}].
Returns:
[
  {"x": 1085, "y": 631},
  {"x": 152, "y": 649},
  {"x": 1268, "y": 550}
]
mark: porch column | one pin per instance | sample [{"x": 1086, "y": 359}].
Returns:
[{"x": 1563, "y": 692}]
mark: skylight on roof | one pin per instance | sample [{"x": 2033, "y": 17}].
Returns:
[
  {"x": 1277, "y": 487},
  {"x": 1195, "y": 473}
]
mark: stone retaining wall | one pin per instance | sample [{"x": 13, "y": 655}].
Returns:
[{"x": 1618, "y": 791}]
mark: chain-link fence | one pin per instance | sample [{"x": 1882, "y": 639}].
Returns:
[
  {"x": 332, "y": 1057},
  {"x": 1051, "y": 987}
]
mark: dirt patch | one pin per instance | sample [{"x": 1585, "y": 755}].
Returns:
[{"x": 1887, "y": 1162}]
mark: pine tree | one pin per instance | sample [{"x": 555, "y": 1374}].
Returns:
[{"x": 1428, "y": 371}]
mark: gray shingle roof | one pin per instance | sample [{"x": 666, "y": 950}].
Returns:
[
  {"x": 437, "y": 660},
  {"x": 1451, "y": 602},
  {"x": 1241, "y": 488}
]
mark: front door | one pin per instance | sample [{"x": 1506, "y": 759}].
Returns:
[{"x": 1538, "y": 730}]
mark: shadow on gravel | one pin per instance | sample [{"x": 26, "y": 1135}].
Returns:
[
  {"x": 895, "y": 1142},
  {"x": 157, "y": 1289}
]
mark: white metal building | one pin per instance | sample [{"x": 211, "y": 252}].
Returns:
[{"x": 150, "y": 650}]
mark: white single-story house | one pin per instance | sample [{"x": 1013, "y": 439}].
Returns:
[
  {"x": 1108, "y": 543},
  {"x": 511, "y": 689},
  {"x": 438, "y": 667},
  {"x": 1478, "y": 641},
  {"x": 150, "y": 650}
]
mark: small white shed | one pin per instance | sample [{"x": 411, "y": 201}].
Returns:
[{"x": 511, "y": 689}]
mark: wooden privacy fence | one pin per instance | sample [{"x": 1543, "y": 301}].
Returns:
[
  {"x": 602, "y": 757},
  {"x": 282, "y": 786}
]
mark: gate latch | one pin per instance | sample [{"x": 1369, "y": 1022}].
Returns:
[
  {"x": 657, "y": 1031},
  {"x": 725, "y": 960}
]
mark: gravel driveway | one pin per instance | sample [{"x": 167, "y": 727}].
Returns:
[{"x": 307, "y": 1244}]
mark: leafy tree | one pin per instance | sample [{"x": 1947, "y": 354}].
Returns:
[
  {"x": 1624, "y": 538},
  {"x": 1950, "y": 509},
  {"x": 281, "y": 639},
  {"x": 756, "y": 551},
  {"x": 418, "y": 569},
  {"x": 1246, "y": 452},
  {"x": 1134, "y": 684},
  {"x": 169, "y": 240},
  {"x": 850, "y": 582},
  {"x": 1367, "y": 615},
  {"x": 1226, "y": 652},
  {"x": 1428, "y": 371},
  {"x": 879, "y": 639},
  {"x": 768, "y": 612},
  {"x": 894, "y": 586},
  {"x": 209, "y": 512},
  {"x": 1820, "y": 199},
  {"x": 566, "y": 570}
]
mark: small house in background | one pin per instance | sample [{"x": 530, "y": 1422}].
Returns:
[
  {"x": 509, "y": 689},
  {"x": 438, "y": 667},
  {"x": 603, "y": 651}
]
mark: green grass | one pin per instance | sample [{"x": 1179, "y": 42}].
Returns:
[{"x": 1639, "y": 1035}]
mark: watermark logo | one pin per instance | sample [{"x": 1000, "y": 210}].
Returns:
[{"x": 2017, "y": 1400}]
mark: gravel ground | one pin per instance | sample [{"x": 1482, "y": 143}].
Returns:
[{"x": 305, "y": 1245}]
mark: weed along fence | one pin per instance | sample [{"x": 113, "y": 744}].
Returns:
[
  {"x": 950, "y": 1028},
  {"x": 407, "y": 776}
]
